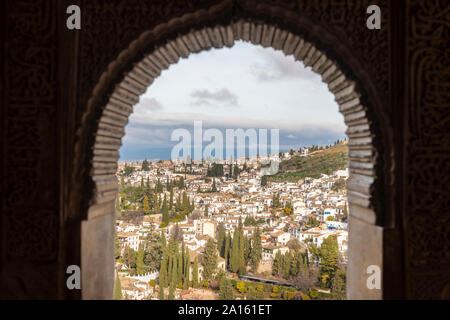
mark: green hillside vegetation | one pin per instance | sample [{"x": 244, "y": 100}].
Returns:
[{"x": 319, "y": 162}]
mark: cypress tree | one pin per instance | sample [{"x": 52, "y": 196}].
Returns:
[
  {"x": 241, "y": 264},
  {"x": 145, "y": 205},
  {"x": 256, "y": 252},
  {"x": 174, "y": 277},
  {"x": 247, "y": 248},
  {"x": 276, "y": 265},
  {"x": 187, "y": 266},
  {"x": 345, "y": 212},
  {"x": 163, "y": 272},
  {"x": 165, "y": 212},
  {"x": 209, "y": 260},
  {"x": 171, "y": 199},
  {"x": 221, "y": 240},
  {"x": 117, "y": 288},
  {"x": 195, "y": 274},
  {"x": 287, "y": 265},
  {"x": 180, "y": 269},
  {"x": 227, "y": 250},
  {"x": 140, "y": 266},
  {"x": 171, "y": 292},
  {"x": 161, "y": 293},
  {"x": 235, "y": 252}
]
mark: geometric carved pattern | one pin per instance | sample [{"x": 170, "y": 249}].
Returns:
[
  {"x": 33, "y": 239},
  {"x": 30, "y": 134},
  {"x": 30, "y": 215},
  {"x": 428, "y": 149}
]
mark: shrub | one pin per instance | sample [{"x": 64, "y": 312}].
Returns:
[
  {"x": 214, "y": 284},
  {"x": 306, "y": 297},
  {"x": 240, "y": 286}
]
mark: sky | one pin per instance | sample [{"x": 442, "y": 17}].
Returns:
[{"x": 245, "y": 86}]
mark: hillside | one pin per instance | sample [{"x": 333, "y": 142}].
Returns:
[{"x": 318, "y": 162}]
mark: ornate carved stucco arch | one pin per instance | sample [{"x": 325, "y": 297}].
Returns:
[{"x": 136, "y": 67}]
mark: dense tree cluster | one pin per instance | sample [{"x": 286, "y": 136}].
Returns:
[
  {"x": 154, "y": 200},
  {"x": 239, "y": 251},
  {"x": 175, "y": 267},
  {"x": 216, "y": 170},
  {"x": 147, "y": 258},
  {"x": 289, "y": 264}
]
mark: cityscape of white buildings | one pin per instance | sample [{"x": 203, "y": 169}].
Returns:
[{"x": 237, "y": 199}]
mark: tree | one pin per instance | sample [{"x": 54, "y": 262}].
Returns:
[
  {"x": 161, "y": 293},
  {"x": 165, "y": 212},
  {"x": 264, "y": 181},
  {"x": 338, "y": 286},
  {"x": 235, "y": 252},
  {"x": 117, "y": 288},
  {"x": 242, "y": 269},
  {"x": 240, "y": 286},
  {"x": 225, "y": 289},
  {"x": 236, "y": 171},
  {"x": 209, "y": 260},
  {"x": 195, "y": 274},
  {"x": 181, "y": 183},
  {"x": 129, "y": 258},
  {"x": 153, "y": 251},
  {"x": 140, "y": 266},
  {"x": 128, "y": 170},
  {"x": 214, "y": 188},
  {"x": 328, "y": 254},
  {"x": 288, "y": 209},
  {"x": 163, "y": 282},
  {"x": 306, "y": 278},
  {"x": 171, "y": 292},
  {"x": 171, "y": 199},
  {"x": 173, "y": 265},
  {"x": 221, "y": 240},
  {"x": 187, "y": 266},
  {"x": 117, "y": 248},
  {"x": 145, "y": 205},
  {"x": 145, "y": 165},
  {"x": 227, "y": 250},
  {"x": 256, "y": 252},
  {"x": 251, "y": 295},
  {"x": 345, "y": 217},
  {"x": 276, "y": 265}
]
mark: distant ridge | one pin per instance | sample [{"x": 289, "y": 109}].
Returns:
[{"x": 319, "y": 162}]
